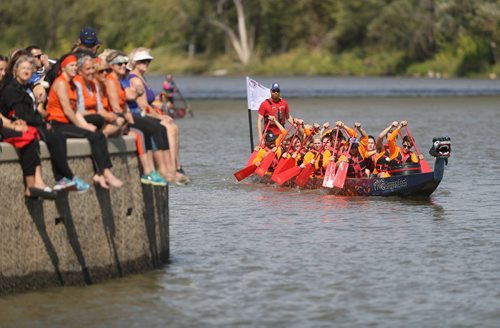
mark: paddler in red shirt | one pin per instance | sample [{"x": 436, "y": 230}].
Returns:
[{"x": 275, "y": 106}]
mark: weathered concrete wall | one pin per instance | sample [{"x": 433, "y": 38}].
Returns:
[{"x": 80, "y": 238}]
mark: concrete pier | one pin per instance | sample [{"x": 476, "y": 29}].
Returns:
[{"x": 80, "y": 238}]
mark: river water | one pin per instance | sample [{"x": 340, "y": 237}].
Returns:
[{"x": 247, "y": 255}]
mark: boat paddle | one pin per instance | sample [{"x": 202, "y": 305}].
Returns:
[
  {"x": 188, "y": 107},
  {"x": 269, "y": 158},
  {"x": 286, "y": 175},
  {"x": 341, "y": 174},
  {"x": 254, "y": 153},
  {"x": 330, "y": 169},
  {"x": 250, "y": 168},
  {"x": 424, "y": 166},
  {"x": 286, "y": 163},
  {"x": 305, "y": 175}
]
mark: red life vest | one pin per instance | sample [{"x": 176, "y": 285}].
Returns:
[{"x": 357, "y": 166}]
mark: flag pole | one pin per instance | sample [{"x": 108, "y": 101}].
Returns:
[{"x": 250, "y": 129}]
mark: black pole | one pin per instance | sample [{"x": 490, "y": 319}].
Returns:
[{"x": 250, "y": 127}]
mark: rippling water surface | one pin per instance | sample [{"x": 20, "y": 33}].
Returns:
[{"x": 262, "y": 256}]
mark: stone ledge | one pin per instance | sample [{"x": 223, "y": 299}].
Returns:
[{"x": 76, "y": 148}]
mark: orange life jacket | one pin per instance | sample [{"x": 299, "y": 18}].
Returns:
[{"x": 55, "y": 111}]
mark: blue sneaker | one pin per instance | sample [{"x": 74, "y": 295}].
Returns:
[
  {"x": 146, "y": 179},
  {"x": 65, "y": 184},
  {"x": 81, "y": 186},
  {"x": 157, "y": 180}
]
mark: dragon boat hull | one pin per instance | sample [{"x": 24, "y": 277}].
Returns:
[{"x": 414, "y": 184}]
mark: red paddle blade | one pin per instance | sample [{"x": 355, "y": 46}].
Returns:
[
  {"x": 425, "y": 167},
  {"x": 264, "y": 165},
  {"x": 329, "y": 175},
  {"x": 287, "y": 175},
  {"x": 280, "y": 165},
  {"x": 303, "y": 177},
  {"x": 245, "y": 172},
  {"x": 251, "y": 158},
  {"x": 283, "y": 165},
  {"x": 340, "y": 176}
]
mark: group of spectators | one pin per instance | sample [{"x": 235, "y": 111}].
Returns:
[{"x": 85, "y": 94}]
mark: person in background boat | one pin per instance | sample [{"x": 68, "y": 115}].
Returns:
[
  {"x": 140, "y": 59},
  {"x": 357, "y": 165},
  {"x": 317, "y": 156},
  {"x": 271, "y": 143},
  {"x": 64, "y": 117},
  {"x": 17, "y": 101},
  {"x": 403, "y": 154},
  {"x": 169, "y": 90},
  {"x": 275, "y": 106}
]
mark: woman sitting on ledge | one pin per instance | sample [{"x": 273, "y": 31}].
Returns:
[
  {"x": 17, "y": 101},
  {"x": 24, "y": 139},
  {"x": 64, "y": 117}
]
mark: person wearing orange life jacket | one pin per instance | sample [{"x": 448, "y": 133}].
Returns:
[
  {"x": 366, "y": 147},
  {"x": 64, "y": 117},
  {"x": 317, "y": 156},
  {"x": 399, "y": 155},
  {"x": 381, "y": 158},
  {"x": 357, "y": 165},
  {"x": 270, "y": 147}
]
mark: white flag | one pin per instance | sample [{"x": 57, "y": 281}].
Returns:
[{"x": 256, "y": 94}]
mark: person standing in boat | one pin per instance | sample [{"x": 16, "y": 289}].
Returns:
[{"x": 275, "y": 106}]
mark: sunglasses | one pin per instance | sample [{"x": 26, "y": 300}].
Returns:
[
  {"x": 275, "y": 91},
  {"x": 38, "y": 56},
  {"x": 144, "y": 61},
  {"x": 122, "y": 63},
  {"x": 406, "y": 146},
  {"x": 107, "y": 70}
]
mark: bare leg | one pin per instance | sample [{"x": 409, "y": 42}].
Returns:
[
  {"x": 164, "y": 163},
  {"x": 111, "y": 179},
  {"x": 101, "y": 181}
]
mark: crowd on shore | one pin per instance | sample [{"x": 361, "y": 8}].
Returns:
[
  {"x": 323, "y": 145},
  {"x": 90, "y": 95}
]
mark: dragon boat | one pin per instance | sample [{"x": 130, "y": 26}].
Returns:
[{"x": 408, "y": 181}]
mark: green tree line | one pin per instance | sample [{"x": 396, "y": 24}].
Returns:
[{"x": 316, "y": 37}]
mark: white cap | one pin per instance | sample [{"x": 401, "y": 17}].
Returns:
[{"x": 142, "y": 55}]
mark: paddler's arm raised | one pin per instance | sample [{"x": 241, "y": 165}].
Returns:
[{"x": 379, "y": 144}]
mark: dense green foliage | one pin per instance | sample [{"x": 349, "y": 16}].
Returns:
[{"x": 347, "y": 37}]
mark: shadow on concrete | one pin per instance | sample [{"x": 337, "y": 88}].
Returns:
[
  {"x": 35, "y": 209},
  {"x": 62, "y": 205},
  {"x": 104, "y": 199}
]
